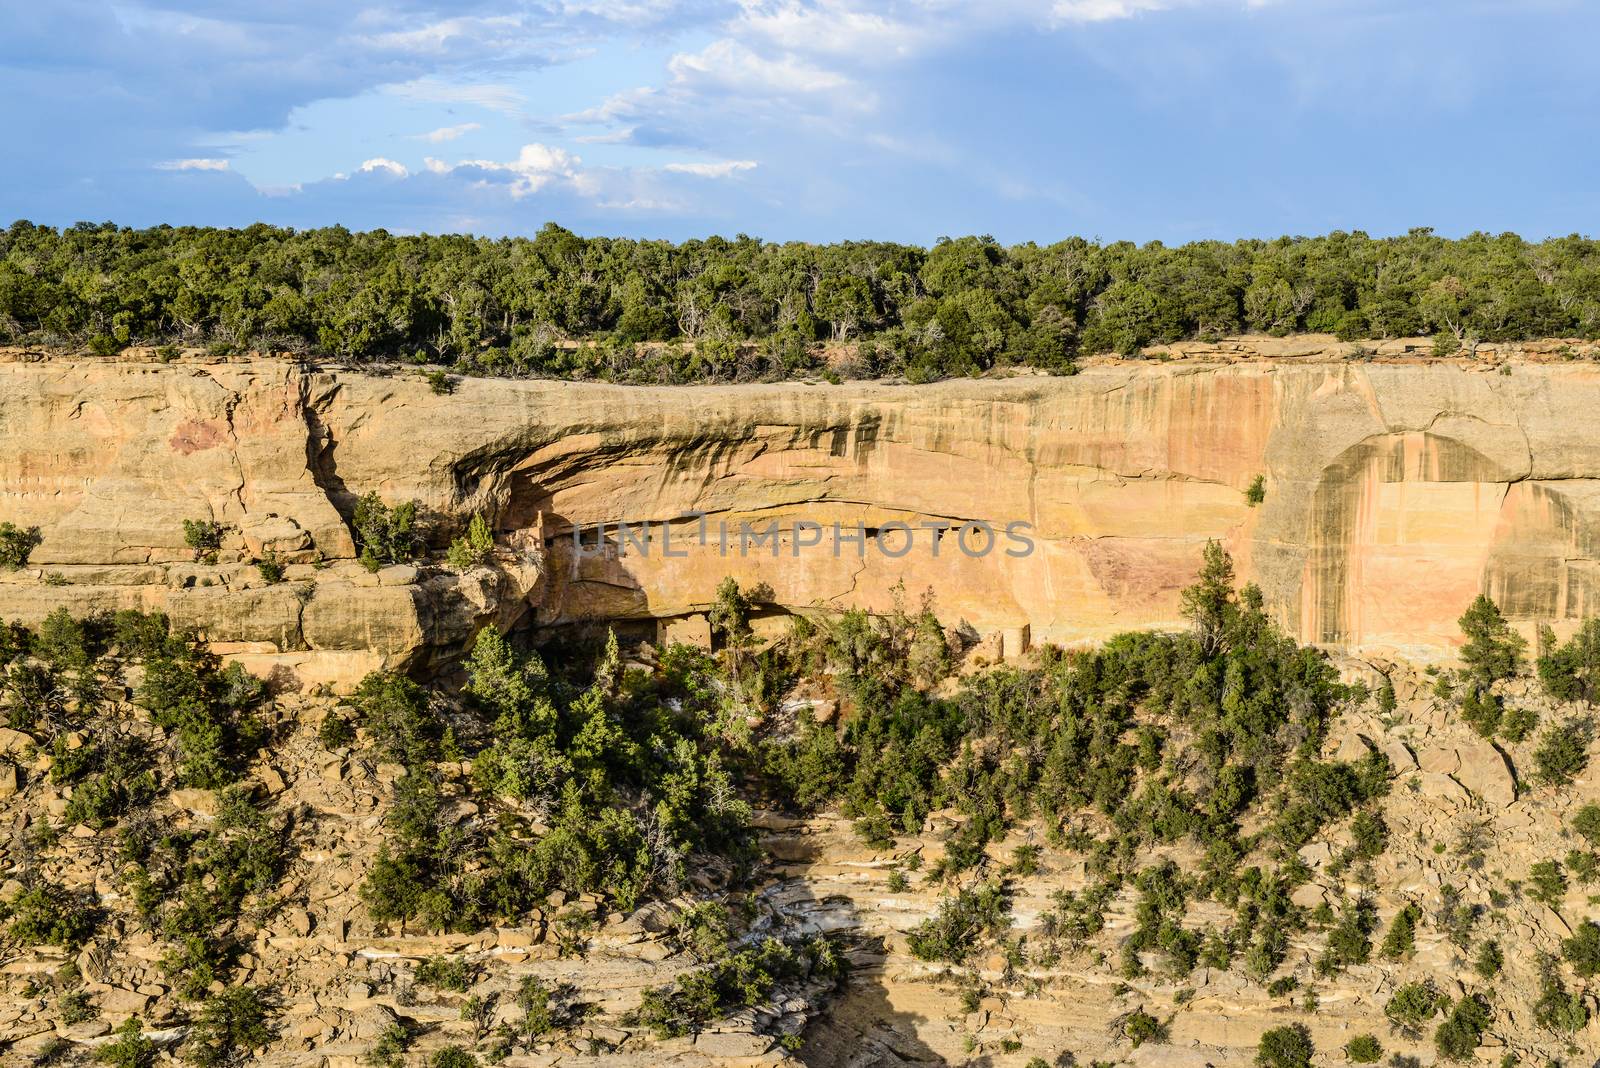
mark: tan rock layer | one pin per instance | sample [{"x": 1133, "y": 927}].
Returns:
[{"x": 1395, "y": 492}]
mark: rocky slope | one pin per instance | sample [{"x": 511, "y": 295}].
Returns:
[
  {"x": 1396, "y": 488},
  {"x": 1460, "y": 814}
]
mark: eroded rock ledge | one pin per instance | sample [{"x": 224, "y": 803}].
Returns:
[{"x": 1395, "y": 491}]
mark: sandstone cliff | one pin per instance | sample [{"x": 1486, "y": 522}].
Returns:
[{"x": 1395, "y": 491}]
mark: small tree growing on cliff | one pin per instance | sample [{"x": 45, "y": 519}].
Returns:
[
  {"x": 386, "y": 535},
  {"x": 16, "y": 543},
  {"x": 1364, "y": 1049},
  {"x": 730, "y": 620},
  {"x": 1209, "y": 604},
  {"x": 204, "y": 536},
  {"x": 1571, "y": 670},
  {"x": 473, "y": 547},
  {"x": 1493, "y": 650},
  {"x": 1285, "y": 1047},
  {"x": 1563, "y": 752},
  {"x": 271, "y": 567}
]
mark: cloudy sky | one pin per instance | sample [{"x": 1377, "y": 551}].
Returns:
[{"x": 810, "y": 119}]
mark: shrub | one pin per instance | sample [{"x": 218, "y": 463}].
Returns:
[
  {"x": 1482, "y": 710},
  {"x": 1285, "y": 1047},
  {"x": 1582, "y": 950},
  {"x": 75, "y": 1007},
  {"x": 1585, "y": 867},
  {"x": 1547, "y": 883},
  {"x": 535, "y": 1001},
  {"x": 47, "y": 914},
  {"x": 962, "y": 920},
  {"x": 453, "y": 1057},
  {"x": 335, "y": 732},
  {"x": 1518, "y": 723},
  {"x": 702, "y": 930},
  {"x": 395, "y": 712},
  {"x": 1369, "y": 834},
  {"x": 390, "y": 1049},
  {"x": 1257, "y": 491},
  {"x": 1571, "y": 671},
  {"x": 1563, "y": 753},
  {"x": 1586, "y": 821},
  {"x": 101, "y": 798},
  {"x": 130, "y": 1049},
  {"x": 1349, "y": 942},
  {"x": 230, "y": 1023},
  {"x": 271, "y": 568},
  {"x": 204, "y": 536},
  {"x": 1558, "y": 1009},
  {"x": 1364, "y": 1049},
  {"x": 211, "y": 710},
  {"x": 1459, "y": 1036},
  {"x": 1140, "y": 1027},
  {"x": 445, "y": 973},
  {"x": 16, "y": 545},
  {"x": 473, "y": 547},
  {"x": 385, "y": 535},
  {"x": 1489, "y": 961},
  {"x": 1401, "y": 940},
  {"x": 1412, "y": 1005},
  {"x": 737, "y": 981}
]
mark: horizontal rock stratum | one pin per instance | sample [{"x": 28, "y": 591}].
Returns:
[{"x": 1395, "y": 492}]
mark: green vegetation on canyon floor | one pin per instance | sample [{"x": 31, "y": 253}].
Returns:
[
  {"x": 572, "y": 791},
  {"x": 563, "y": 306}
]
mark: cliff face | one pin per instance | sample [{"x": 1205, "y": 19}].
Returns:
[{"x": 1394, "y": 494}]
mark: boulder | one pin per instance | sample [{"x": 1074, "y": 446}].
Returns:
[
  {"x": 1439, "y": 760},
  {"x": 195, "y": 801},
  {"x": 1351, "y": 747},
  {"x": 1401, "y": 758},
  {"x": 275, "y": 534},
  {"x": 1485, "y": 771},
  {"x": 122, "y": 1002},
  {"x": 1442, "y": 787}
]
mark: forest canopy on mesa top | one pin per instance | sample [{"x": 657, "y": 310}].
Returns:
[{"x": 564, "y": 306}]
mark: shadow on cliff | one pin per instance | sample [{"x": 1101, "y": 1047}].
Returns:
[
  {"x": 322, "y": 462},
  {"x": 860, "y": 1026}
]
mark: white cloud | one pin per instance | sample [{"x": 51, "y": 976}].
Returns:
[
  {"x": 832, "y": 27},
  {"x": 623, "y": 105},
  {"x": 435, "y": 37},
  {"x": 720, "y": 169},
  {"x": 193, "y": 165},
  {"x": 1103, "y": 10},
  {"x": 380, "y": 164},
  {"x": 730, "y": 66},
  {"x": 1110, "y": 10},
  {"x": 535, "y": 167},
  {"x": 450, "y": 133}
]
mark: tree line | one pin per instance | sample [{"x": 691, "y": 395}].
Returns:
[{"x": 560, "y": 305}]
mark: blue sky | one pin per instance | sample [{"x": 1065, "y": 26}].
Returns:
[{"x": 807, "y": 119}]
